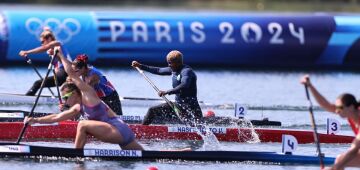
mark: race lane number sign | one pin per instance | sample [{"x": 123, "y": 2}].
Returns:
[
  {"x": 333, "y": 126},
  {"x": 289, "y": 143},
  {"x": 240, "y": 110}
]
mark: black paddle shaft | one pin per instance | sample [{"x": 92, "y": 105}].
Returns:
[
  {"x": 57, "y": 86},
  {"x": 316, "y": 135},
  {"x": 37, "y": 98},
  {"x": 28, "y": 60}
]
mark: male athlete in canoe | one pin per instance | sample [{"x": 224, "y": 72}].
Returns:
[{"x": 184, "y": 87}]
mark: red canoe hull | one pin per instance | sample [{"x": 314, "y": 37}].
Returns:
[{"x": 66, "y": 130}]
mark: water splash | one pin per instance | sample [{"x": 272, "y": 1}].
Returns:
[
  {"x": 246, "y": 131},
  {"x": 210, "y": 140},
  {"x": 254, "y": 136}
]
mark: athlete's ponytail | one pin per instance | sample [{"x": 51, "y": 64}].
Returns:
[{"x": 81, "y": 61}]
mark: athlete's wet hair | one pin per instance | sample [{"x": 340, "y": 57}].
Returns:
[
  {"x": 348, "y": 100},
  {"x": 70, "y": 86},
  {"x": 81, "y": 61}
]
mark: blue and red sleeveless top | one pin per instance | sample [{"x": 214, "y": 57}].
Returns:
[
  {"x": 98, "y": 112},
  {"x": 104, "y": 87}
]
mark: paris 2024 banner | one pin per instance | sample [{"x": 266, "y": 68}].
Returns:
[{"x": 205, "y": 38}]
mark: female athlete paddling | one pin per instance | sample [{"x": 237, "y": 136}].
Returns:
[
  {"x": 103, "y": 87},
  {"x": 101, "y": 122},
  {"x": 345, "y": 106},
  {"x": 48, "y": 43}
]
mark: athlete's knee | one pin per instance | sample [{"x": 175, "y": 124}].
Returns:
[
  {"x": 339, "y": 158},
  {"x": 82, "y": 125}
]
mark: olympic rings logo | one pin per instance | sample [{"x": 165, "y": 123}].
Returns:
[{"x": 63, "y": 30}]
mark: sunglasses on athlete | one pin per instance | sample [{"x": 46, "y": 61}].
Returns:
[{"x": 67, "y": 95}]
